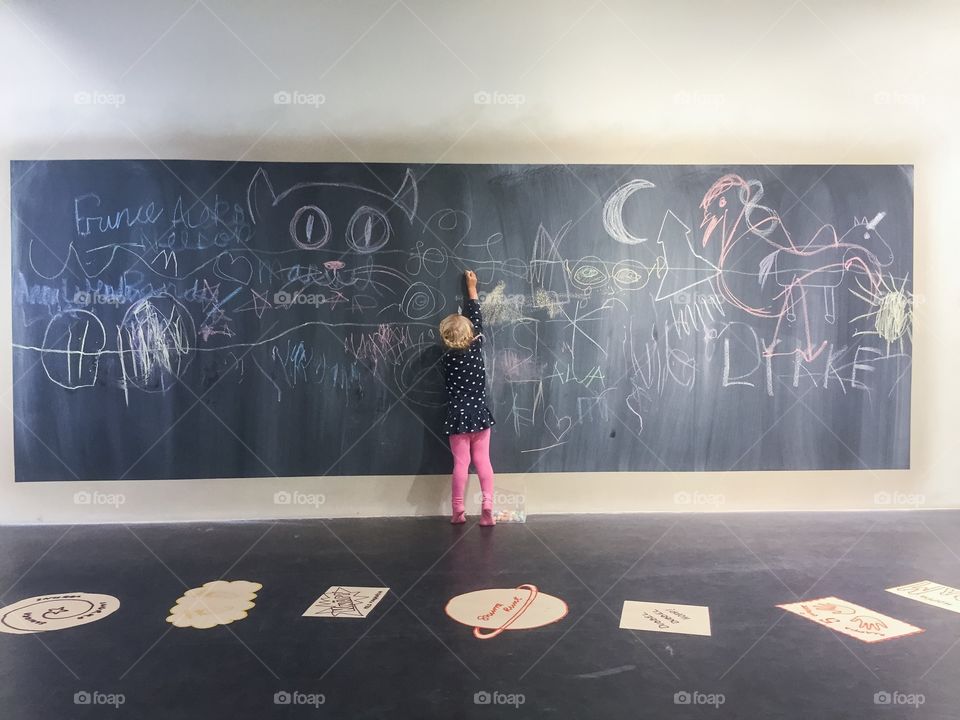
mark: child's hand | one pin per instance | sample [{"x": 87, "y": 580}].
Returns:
[{"x": 471, "y": 279}]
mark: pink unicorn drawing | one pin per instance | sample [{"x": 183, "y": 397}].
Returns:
[{"x": 741, "y": 237}]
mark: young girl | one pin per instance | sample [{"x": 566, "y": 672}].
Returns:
[{"x": 468, "y": 418}]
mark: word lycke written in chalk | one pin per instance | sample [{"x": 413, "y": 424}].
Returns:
[
  {"x": 931, "y": 593},
  {"x": 345, "y": 601},
  {"x": 852, "y": 620},
  {"x": 662, "y": 617}
]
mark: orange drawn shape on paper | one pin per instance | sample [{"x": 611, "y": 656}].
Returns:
[
  {"x": 852, "y": 619},
  {"x": 492, "y": 611},
  {"x": 532, "y": 589},
  {"x": 869, "y": 623}
]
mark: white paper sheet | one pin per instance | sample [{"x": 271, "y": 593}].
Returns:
[{"x": 345, "y": 601}]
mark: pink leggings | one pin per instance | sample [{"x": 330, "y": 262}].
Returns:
[{"x": 477, "y": 446}]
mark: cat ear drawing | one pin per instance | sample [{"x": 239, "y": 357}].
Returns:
[
  {"x": 260, "y": 195},
  {"x": 407, "y": 197}
]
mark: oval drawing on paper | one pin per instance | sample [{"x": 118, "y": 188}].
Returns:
[
  {"x": 492, "y": 611},
  {"x": 55, "y": 612}
]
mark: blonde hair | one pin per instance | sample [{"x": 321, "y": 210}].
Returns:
[{"x": 456, "y": 331}]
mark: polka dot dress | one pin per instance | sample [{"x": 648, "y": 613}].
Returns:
[{"x": 466, "y": 379}]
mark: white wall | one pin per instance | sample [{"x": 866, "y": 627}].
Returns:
[{"x": 612, "y": 81}]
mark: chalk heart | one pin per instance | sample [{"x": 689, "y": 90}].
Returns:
[
  {"x": 229, "y": 267},
  {"x": 220, "y": 602},
  {"x": 493, "y": 611},
  {"x": 558, "y": 426}
]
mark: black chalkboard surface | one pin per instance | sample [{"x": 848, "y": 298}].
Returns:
[{"x": 189, "y": 319}]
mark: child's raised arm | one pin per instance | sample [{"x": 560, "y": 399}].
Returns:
[{"x": 471, "y": 308}]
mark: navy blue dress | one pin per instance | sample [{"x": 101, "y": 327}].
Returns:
[{"x": 466, "y": 381}]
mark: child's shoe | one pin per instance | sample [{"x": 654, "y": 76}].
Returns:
[
  {"x": 459, "y": 518},
  {"x": 486, "y": 517}
]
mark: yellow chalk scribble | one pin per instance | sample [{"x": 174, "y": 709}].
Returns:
[
  {"x": 549, "y": 301},
  {"x": 499, "y": 308},
  {"x": 891, "y": 311},
  {"x": 893, "y": 315}
]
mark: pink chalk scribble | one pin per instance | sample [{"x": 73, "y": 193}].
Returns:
[{"x": 753, "y": 241}]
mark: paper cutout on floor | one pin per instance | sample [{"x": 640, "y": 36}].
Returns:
[
  {"x": 852, "y": 620},
  {"x": 490, "y": 612},
  {"x": 346, "y": 601},
  {"x": 55, "y": 612},
  {"x": 665, "y": 617},
  {"x": 219, "y": 602},
  {"x": 931, "y": 593}
]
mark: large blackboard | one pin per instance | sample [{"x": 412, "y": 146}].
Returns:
[{"x": 188, "y": 319}]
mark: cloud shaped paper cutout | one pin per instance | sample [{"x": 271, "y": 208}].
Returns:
[{"x": 219, "y": 602}]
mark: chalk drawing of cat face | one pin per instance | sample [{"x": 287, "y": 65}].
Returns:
[{"x": 344, "y": 224}]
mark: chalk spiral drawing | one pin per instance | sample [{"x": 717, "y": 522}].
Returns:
[{"x": 150, "y": 295}]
